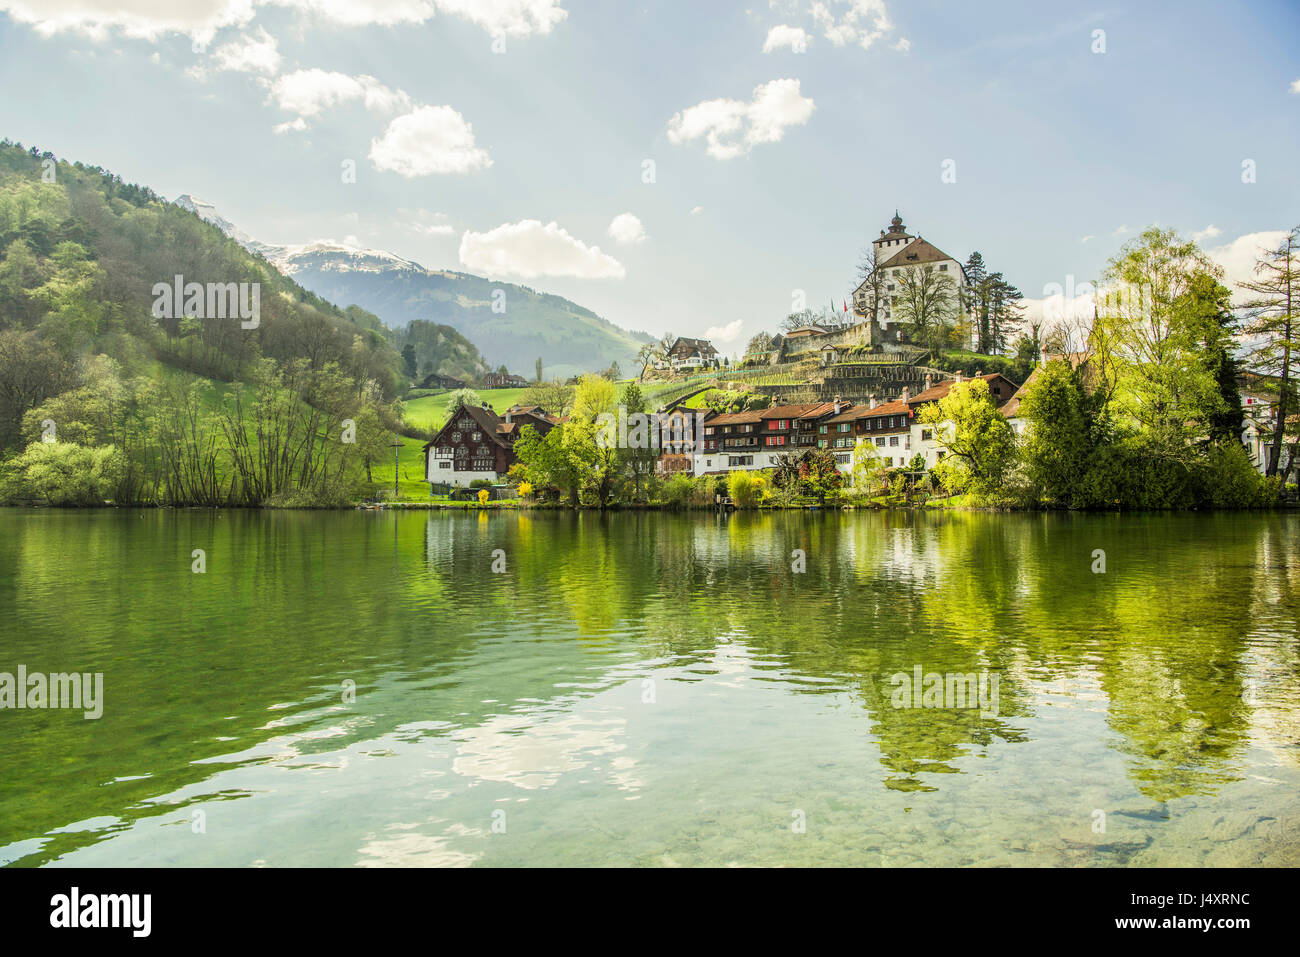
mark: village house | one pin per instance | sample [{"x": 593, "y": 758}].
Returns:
[
  {"x": 503, "y": 380},
  {"x": 757, "y": 439},
  {"x": 477, "y": 444},
  {"x": 887, "y": 427},
  {"x": 677, "y": 442},
  {"x": 690, "y": 354}
]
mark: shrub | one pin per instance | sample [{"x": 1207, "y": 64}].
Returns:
[
  {"x": 677, "y": 490},
  {"x": 746, "y": 488}
]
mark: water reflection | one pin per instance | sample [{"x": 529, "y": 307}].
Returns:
[{"x": 634, "y": 656}]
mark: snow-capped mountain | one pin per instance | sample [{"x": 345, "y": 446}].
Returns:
[{"x": 566, "y": 337}]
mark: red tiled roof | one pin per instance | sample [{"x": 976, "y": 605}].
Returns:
[
  {"x": 738, "y": 418},
  {"x": 940, "y": 390},
  {"x": 897, "y": 407}
]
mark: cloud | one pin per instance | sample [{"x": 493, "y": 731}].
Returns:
[
  {"x": 1120, "y": 231},
  {"x": 1295, "y": 86},
  {"x": 251, "y": 53},
  {"x": 843, "y": 22},
  {"x": 903, "y": 45},
  {"x": 1238, "y": 257},
  {"x": 732, "y": 128},
  {"x": 1087, "y": 238},
  {"x": 626, "y": 230},
  {"x": 1209, "y": 232},
  {"x": 199, "y": 19},
  {"x": 518, "y": 18},
  {"x": 428, "y": 140},
  {"x": 796, "y": 38},
  {"x": 695, "y": 211},
  {"x": 530, "y": 250},
  {"x": 296, "y": 125},
  {"x": 727, "y": 333},
  {"x": 310, "y": 92}
]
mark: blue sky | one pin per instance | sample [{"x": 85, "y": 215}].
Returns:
[{"x": 773, "y": 170}]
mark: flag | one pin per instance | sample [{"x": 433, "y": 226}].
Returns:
[{"x": 846, "y": 304}]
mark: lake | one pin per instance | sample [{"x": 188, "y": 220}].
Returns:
[{"x": 513, "y": 688}]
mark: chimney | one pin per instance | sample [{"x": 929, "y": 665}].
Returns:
[
  {"x": 874, "y": 402},
  {"x": 837, "y": 405},
  {"x": 929, "y": 382},
  {"x": 507, "y": 416},
  {"x": 907, "y": 394}
]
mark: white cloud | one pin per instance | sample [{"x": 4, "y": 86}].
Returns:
[
  {"x": 1238, "y": 257},
  {"x": 1209, "y": 232},
  {"x": 732, "y": 127},
  {"x": 518, "y": 18},
  {"x": 796, "y": 38},
  {"x": 697, "y": 210},
  {"x": 626, "y": 230},
  {"x": 852, "y": 21},
  {"x": 428, "y": 140},
  {"x": 727, "y": 333},
  {"x": 310, "y": 92},
  {"x": 141, "y": 19},
  {"x": 529, "y": 249},
  {"x": 251, "y": 53},
  {"x": 1120, "y": 231},
  {"x": 200, "y": 19},
  {"x": 1295, "y": 86},
  {"x": 1087, "y": 238},
  {"x": 903, "y": 45},
  {"x": 296, "y": 125}
]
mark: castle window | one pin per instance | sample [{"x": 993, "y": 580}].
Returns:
[{"x": 943, "y": 267}]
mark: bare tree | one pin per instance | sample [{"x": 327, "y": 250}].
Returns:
[{"x": 927, "y": 299}]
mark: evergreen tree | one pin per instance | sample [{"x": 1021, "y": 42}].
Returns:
[{"x": 1275, "y": 329}]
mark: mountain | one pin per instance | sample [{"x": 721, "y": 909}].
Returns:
[
  {"x": 84, "y": 257},
  {"x": 526, "y": 324}
]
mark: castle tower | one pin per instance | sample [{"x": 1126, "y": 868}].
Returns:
[{"x": 892, "y": 241}]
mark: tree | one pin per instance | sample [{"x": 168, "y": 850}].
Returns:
[
  {"x": 1273, "y": 326},
  {"x": 1066, "y": 427},
  {"x": 759, "y": 344},
  {"x": 555, "y": 396},
  {"x": 537, "y": 367},
  {"x": 979, "y": 443},
  {"x": 1146, "y": 338},
  {"x": 976, "y": 300},
  {"x": 1004, "y": 310},
  {"x": 797, "y": 319},
  {"x": 1206, "y": 308},
  {"x": 927, "y": 299},
  {"x": 408, "y": 360},
  {"x": 462, "y": 397},
  {"x": 875, "y": 280}
]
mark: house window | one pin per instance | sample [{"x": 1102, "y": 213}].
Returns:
[
  {"x": 843, "y": 459},
  {"x": 444, "y": 465},
  {"x": 926, "y": 435},
  {"x": 889, "y": 288},
  {"x": 821, "y": 443},
  {"x": 821, "y": 430},
  {"x": 893, "y": 441},
  {"x": 943, "y": 267},
  {"x": 708, "y": 430},
  {"x": 843, "y": 427},
  {"x": 880, "y": 442}
]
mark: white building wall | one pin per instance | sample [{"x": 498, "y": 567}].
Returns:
[{"x": 436, "y": 473}]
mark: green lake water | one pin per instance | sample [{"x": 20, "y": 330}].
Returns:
[{"x": 652, "y": 689}]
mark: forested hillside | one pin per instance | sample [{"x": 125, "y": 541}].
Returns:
[{"x": 105, "y": 394}]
